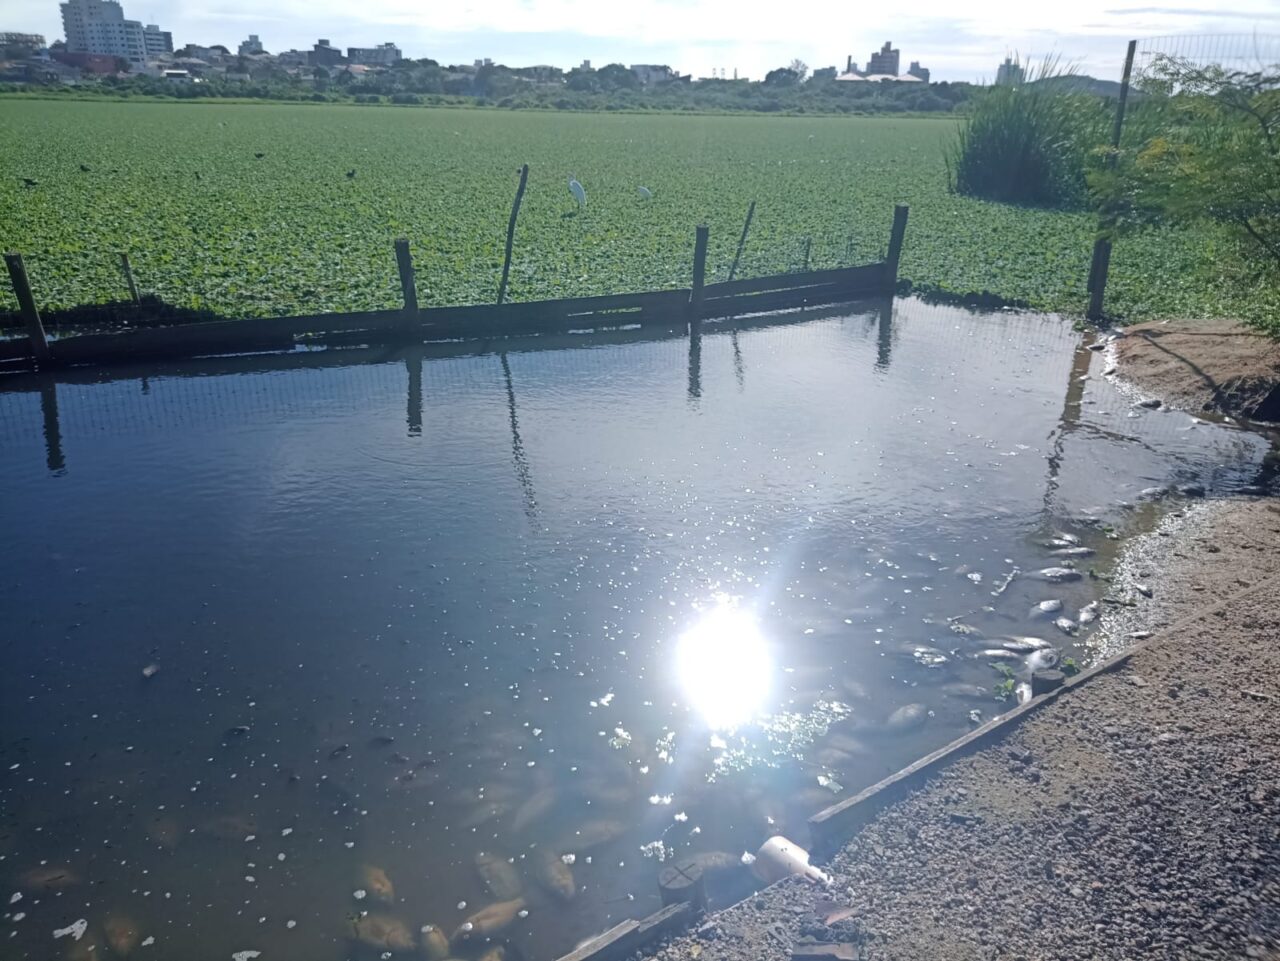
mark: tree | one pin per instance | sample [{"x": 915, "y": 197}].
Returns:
[
  {"x": 781, "y": 77},
  {"x": 799, "y": 68},
  {"x": 614, "y": 76},
  {"x": 1202, "y": 146}
]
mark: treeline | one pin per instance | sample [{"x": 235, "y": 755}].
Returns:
[{"x": 613, "y": 87}]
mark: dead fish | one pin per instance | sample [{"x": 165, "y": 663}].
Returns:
[
  {"x": 489, "y": 921},
  {"x": 1042, "y": 659},
  {"x": 1056, "y": 542},
  {"x": 1089, "y": 613},
  {"x": 906, "y": 718},
  {"x": 374, "y": 880},
  {"x": 1143, "y": 589},
  {"x": 483, "y": 815},
  {"x": 48, "y": 878},
  {"x": 1022, "y": 643},
  {"x": 1057, "y": 575},
  {"x": 1066, "y": 625},
  {"x": 998, "y": 654},
  {"x": 434, "y": 944},
  {"x": 1064, "y": 536},
  {"x": 1073, "y": 552},
  {"x": 972, "y": 691},
  {"x": 592, "y": 834},
  {"x": 498, "y": 876},
  {"x": 554, "y": 875},
  {"x": 382, "y": 932},
  {"x": 122, "y": 934},
  {"x": 929, "y": 657},
  {"x": 538, "y": 806},
  {"x": 1022, "y": 690},
  {"x": 1045, "y": 609}
]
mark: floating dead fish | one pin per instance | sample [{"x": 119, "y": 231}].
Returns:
[
  {"x": 1066, "y": 625},
  {"x": 1057, "y": 575},
  {"x": 929, "y": 657},
  {"x": 907, "y": 718},
  {"x": 374, "y": 880},
  {"x": 382, "y": 932},
  {"x": 592, "y": 834},
  {"x": 555, "y": 875},
  {"x": 1089, "y": 613},
  {"x": 1144, "y": 590},
  {"x": 1064, "y": 536},
  {"x": 998, "y": 654},
  {"x": 1073, "y": 552},
  {"x": 972, "y": 691},
  {"x": 1022, "y": 690},
  {"x": 1045, "y": 609},
  {"x": 498, "y": 876},
  {"x": 1057, "y": 542},
  {"x": 48, "y": 878},
  {"x": 489, "y": 921},
  {"x": 538, "y": 806},
  {"x": 434, "y": 944},
  {"x": 1042, "y": 659},
  {"x": 122, "y": 934}
]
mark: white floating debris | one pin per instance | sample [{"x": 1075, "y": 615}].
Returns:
[
  {"x": 681, "y": 817},
  {"x": 151, "y": 670},
  {"x": 15, "y": 897},
  {"x": 568, "y": 858},
  {"x": 462, "y": 905},
  {"x": 285, "y": 832},
  {"x": 360, "y": 894},
  {"x": 748, "y": 858},
  {"x": 522, "y": 913},
  {"x": 245, "y": 955},
  {"x": 148, "y": 941},
  {"x": 76, "y": 929},
  {"x": 291, "y": 924}
]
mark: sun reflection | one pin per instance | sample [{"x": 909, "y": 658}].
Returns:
[{"x": 724, "y": 666}]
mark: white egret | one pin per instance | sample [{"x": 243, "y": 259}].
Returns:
[
  {"x": 579, "y": 194},
  {"x": 644, "y": 192}
]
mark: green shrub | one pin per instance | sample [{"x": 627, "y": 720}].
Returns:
[{"x": 1026, "y": 142}]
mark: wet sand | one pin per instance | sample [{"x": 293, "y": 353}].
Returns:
[
  {"x": 1137, "y": 815},
  {"x": 1204, "y": 366}
]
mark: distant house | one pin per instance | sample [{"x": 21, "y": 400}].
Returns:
[
  {"x": 102, "y": 64},
  {"x": 823, "y": 73},
  {"x": 650, "y": 73},
  {"x": 20, "y": 44},
  {"x": 324, "y": 54},
  {"x": 177, "y": 76},
  {"x": 383, "y": 55}
]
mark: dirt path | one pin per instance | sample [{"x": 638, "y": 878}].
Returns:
[
  {"x": 1204, "y": 366},
  {"x": 1137, "y": 816}
]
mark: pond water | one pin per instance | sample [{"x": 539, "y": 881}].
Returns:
[{"x": 545, "y": 616}]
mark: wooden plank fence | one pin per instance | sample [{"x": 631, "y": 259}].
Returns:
[{"x": 412, "y": 323}]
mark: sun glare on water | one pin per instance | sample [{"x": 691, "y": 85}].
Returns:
[{"x": 724, "y": 667}]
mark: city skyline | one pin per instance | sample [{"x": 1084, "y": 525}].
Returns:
[{"x": 565, "y": 32}]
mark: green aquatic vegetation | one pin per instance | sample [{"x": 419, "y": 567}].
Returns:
[{"x": 210, "y": 225}]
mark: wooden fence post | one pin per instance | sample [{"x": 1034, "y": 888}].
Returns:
[
  {"x": 742, "y": 241},
  {"x": 27, "y": 304},
  {"x": 128, "y": 278},
  {"x": 1101, "y": 264},
  {"x": 895, "y": 246},
  {"x": 404, "y": 260},
  {"x": 699, "y": 272},
  {"x": 511, "y": 232}
]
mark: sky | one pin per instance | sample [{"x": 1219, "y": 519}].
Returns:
[{"x": 957, "y": 41}]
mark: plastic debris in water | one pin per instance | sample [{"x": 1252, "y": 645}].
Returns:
[
  {"x": 568, "y": 858},
  {"x": 245, "y": 955},
  {"x": 76, "y": 929},
  {"x": 360, "y": 894},
  {"x": 748, "y": 858},
  {"x": 621, "y": 738}
]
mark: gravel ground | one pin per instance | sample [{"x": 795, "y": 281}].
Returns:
[{"x": 1137, "y": 816}]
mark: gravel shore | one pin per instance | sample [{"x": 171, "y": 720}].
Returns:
[{"x": 1136, "y": 816}]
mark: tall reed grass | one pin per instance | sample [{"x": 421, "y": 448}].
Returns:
[{"x": 1027, "y": 142}]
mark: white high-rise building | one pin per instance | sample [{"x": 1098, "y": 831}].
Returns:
[
  {"x": 99, "y": 26},
  {"x": 156, "y": 41}
]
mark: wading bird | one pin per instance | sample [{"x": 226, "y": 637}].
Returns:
[{"x": 579, "y": 194}]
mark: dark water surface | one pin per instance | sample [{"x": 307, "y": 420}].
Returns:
[{"x": 551, "y": 605}]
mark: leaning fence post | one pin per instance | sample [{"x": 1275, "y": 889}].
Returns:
[
  {"x": 128, "y": 278},
  {"x": 699, "y": 271},
  {"x": 404, "y": 260},
  {"x": 1101, "y": 264},
  {"x": 27, "y": 304},
  {"x": 742, "y": 241},
  {"x": 511, "y": 232},
  {"x": 895, "y": 246}
]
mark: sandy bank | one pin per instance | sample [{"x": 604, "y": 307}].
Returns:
[
  {"x": 1204, "y": 366},
  {"x": 1137, "y": 816}
]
